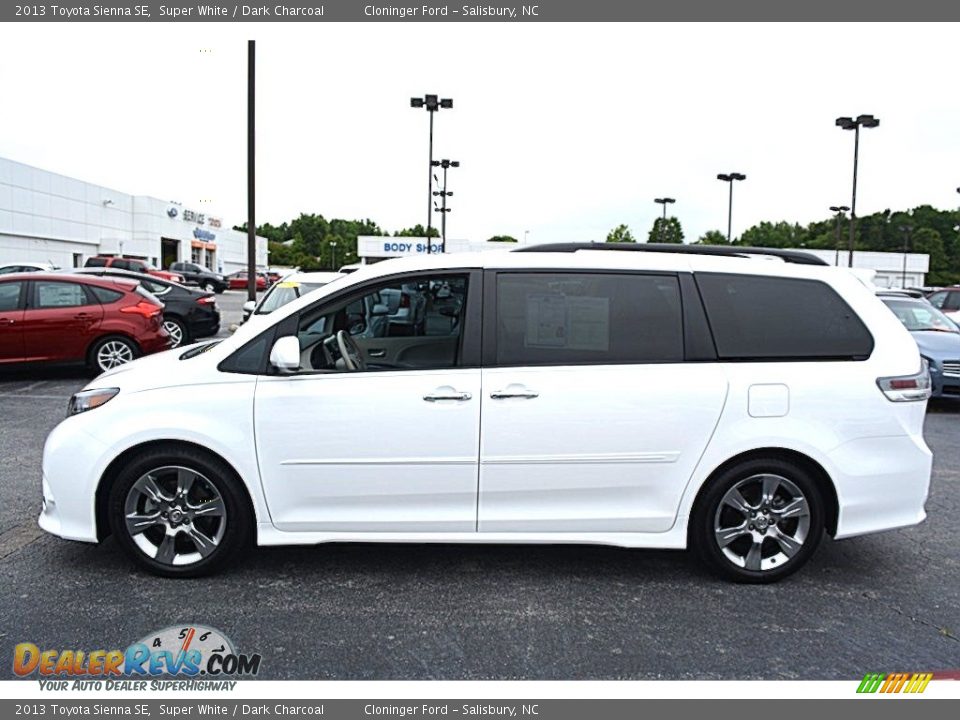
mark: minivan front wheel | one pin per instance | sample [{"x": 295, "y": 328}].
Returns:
[
  {"x": 178, "y": 514},
  {"x": 759, "y": 521}
]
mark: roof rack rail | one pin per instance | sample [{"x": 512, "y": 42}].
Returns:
[{"x": 791, "y": 256}]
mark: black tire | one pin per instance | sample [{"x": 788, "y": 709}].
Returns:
[
  {"x": 237, "y": 518},
  {"x": 124, "y": 347},
  {"x": 767, "y": 525},
  {"x": 181, "y": 330}
]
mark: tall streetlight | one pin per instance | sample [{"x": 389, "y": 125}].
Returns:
[
  {"x": 432, "y": 103},
  {"x": 729, "y": 178},
  {"x": 846, "y": 123},
  {"x": 443, "y": 194},
  {"x": 664, "y": 201},
  {"x": 839, "y": 210},
  {"x": 333, "y": 255}
]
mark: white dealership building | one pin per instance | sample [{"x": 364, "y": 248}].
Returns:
[{"x": 46, "y": 217}]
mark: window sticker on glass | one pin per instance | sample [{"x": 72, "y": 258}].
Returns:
[{"x": 563, "y": 321}]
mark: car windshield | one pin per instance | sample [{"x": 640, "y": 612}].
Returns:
[
  {"x": 917, "y": 316},
  {"x": 283, "y": 293}
]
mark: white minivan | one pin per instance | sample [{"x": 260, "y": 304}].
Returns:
[{"x": 713, "y": 398}]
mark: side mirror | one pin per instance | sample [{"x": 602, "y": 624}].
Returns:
[
  {"x": 249, "y": 306},
  {"x": 285, "y": 354}
]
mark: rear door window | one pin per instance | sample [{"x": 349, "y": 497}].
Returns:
[
  {"x": 571, "y": 318},
  {"x": 756, "y": 317},
  {"x": 60, "y": 295}
]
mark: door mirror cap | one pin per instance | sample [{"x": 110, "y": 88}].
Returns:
[
  {"x": 285, "y": 355},
  {"x": 249, "y": 306}
]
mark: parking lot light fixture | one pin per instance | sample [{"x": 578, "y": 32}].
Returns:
[
  {"x": 664, "y": 201},
  {"x": 431, "y": 103},
  {"x": 848, "y": 123},
  {"x": 730, "y": 178},
  {"x": 839, "y": 210},
  {"x": 443, "y": 194}
]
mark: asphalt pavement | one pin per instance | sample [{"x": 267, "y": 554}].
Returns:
[{"x": 882, "y": 603}]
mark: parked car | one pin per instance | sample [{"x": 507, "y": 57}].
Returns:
[
  {"x": 57, "y": 318},
  {"x": 132, "y": 264},
  {"x": 937, "y": 337},
  {"x": 287, "y": 290},
  {"x": 26, "y": 268},
  {"x": 947, "y": 301},
  {"x": 238, "y": 280},
  {"x": 200, "y": 276},
  {"x": 666, "y": 399},
  {"x": 188, "y": 314}
]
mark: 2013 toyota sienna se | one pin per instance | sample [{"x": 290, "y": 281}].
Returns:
[{"x": 738, "y": 405}]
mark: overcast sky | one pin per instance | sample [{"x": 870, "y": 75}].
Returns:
[{"x": 565, "y": 130}]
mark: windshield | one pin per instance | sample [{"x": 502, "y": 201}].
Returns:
[
  {"x": 917, "y": 315},
  {"x": 284, "y": 292}
]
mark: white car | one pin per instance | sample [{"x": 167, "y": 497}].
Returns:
[
  {"x": 287, "y": 289},
  {"x": 568, "y": 394},
  {"x": 25, "y": 267}
]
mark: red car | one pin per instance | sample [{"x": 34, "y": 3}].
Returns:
[
  {"x": 238, "y": 280},
  {"x": 134, "y": 265},
  {"x": 55, "y": 318}
]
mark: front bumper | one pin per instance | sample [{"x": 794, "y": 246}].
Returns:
[{"x": 73, "y": 462}]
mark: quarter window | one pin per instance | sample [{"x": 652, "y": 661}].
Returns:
[
  {"x": 578, "y": 318},
  {"x": 755, "y": 317}
]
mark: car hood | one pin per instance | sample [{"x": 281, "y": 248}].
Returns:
[
  {"x": 938, "y": 344},
  {"x": 160, "y": 370}
]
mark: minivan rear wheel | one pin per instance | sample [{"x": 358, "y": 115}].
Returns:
[
  {"x": 758, "y": 521},
  {"x": 179, "y": 513}
]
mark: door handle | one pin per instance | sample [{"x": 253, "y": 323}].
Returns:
[
  {"x": 7, "y": 321},
  {"x": 377, "y": 353},
  {"x": 447, "y": 394},
  {"x": 514, "y": 391}
]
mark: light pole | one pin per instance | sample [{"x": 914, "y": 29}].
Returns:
[
  {"x": 432, "y": 103},
  {"x": 527, "y": 232},
  {"x": 664, "y": 201},
  {"x": 839, "y": 210},
  {"x": 906, "y": 230},
  {"x": 729, "y": 178},
  {"x": 333, "y": 256},
  {"x": 846, "y": 123},
  {"x": 443, "y": 194}
]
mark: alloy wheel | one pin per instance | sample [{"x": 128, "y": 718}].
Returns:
[
  {"x": 175, "y": 331},
  {"x": 175, "y": 515},
  {"x": 762, "y": 522},
  {"x": 114, "y": 353}
]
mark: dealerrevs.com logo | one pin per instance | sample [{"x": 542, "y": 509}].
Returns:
[
  {"x": 186, "y": 652},
  {"x": 894, "y": 682}
]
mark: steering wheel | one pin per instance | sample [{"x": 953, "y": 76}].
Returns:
[{"x": 350, "y": 352}]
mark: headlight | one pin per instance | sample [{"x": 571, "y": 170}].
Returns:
[{"x": 90, "y": 399}]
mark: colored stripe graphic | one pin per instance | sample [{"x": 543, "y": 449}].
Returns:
[{"x": 894, "y": 683}]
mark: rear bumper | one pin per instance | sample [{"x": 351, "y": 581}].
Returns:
[{"x": 882, "y": 483}]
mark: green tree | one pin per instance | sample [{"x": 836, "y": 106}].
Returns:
[
  {"x": 712, "y": 237},
  {"x": 666, "y": 231},
  {"x": 620, "y": 234},
  {"x": 503, "y": 238},
  {"x": 417, "y": 231},
  {"x": 773, "y": 235}
]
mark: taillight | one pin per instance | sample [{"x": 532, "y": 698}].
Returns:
[
  {"x": 208, "y": 300},
  {"x": 907, "y": 388},
  {"x": 145, "y": 308}
]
